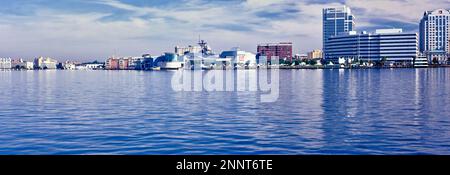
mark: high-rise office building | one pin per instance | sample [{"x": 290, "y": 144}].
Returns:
[
  {"x": 390, "y": 44},
  {"x": 434, "y": 35},
  {"x": 336, "y": 21}
]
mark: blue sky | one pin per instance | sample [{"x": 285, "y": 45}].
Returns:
[{"x": 96, "y": 29}]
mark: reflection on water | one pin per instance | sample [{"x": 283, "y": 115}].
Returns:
[{"x": 386, "y": 111}]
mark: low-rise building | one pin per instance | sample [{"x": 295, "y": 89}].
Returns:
[
  {"x": 421, "y": 61},
  {"x": 94, "y": 66},
  {"x": 315, "y": 54},
  {"x": 190, "y": 49},
  {"x": 282, "y": 51},
  {"x": 437, "y": 57},
  {"x": 124, "y": 63},
  {"x": 301, "y": 57},
  {"x": 68, "y": 65},
  {"x": 116, "y": 63},
  {"x": 5, "y": 63},
  {"x": 169, "y": 61},
  {"x": 45, "y": 63},
  {"x": 21, "y": 64},
  {"x": 240, "y": 57}
]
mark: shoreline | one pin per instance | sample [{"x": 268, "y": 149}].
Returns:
[{"x": 280, "y": 67}]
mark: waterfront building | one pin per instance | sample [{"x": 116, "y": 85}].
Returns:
[
  {"x": 169, "y": 61},
  {"x": 89, "y": 66},
  {"x": 21, "y": 64},
  {"x": 45, "y": 63},
  {"x": 421, "y": 61},
  {"x": 128, "y": 63},
  {"x": 434, "y": 35},
  {"x": 239, "y": 57},
  {"x": 282, "y": 50},
  {"x": 336, "y": 21},
  {"x": 124, "y": 63},
  {"x": 390, "y": 45},
  {"x": 147, "y": 62},
  {"x": 68, "y": 65},
  {"x": 134, "y": 63},
  {"x": 5, "y": 63},
  {"x": 205, "y": 59},
  {"x": 190, "y": 49},
  {"x": 315, "y": 54},
  {"x": 93, "y": 66},
  {"x": 301, "y": 57},
  {"x": 112, "y": 64}
]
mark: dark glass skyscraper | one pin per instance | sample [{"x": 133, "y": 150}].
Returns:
[{"x": 336, "y": 21}]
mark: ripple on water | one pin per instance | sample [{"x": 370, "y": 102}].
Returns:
[{"x": 318, "y": 112}]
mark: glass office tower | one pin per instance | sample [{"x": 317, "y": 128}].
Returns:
[{"x": 336, "y": 21}]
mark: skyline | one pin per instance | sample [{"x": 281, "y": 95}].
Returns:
[{"x": 87, "y": 30}]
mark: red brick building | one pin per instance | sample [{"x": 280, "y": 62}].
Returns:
[{"x": 283, "y": 50}]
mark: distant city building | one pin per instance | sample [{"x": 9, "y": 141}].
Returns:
[
  {"x": 190, "y": 49},
  {"x": 112, "y": 64},
  {"x": 169, "y": 61},
  {"x": 93, "y": 66},
  {"x": 385, "y": 44},
  {"x": 134, "y": 63},
  {"x": 239, "y": 57},
  {"x": 68, "y": 65},
  {"x": 124, "y": 63},
  {"x": 281, "y": 50},
  {"x": 315, "y": 54},
  {"x": 5, "y": 63},
  {"x": 336, "y": 21},
  {"x": 21, "y": 64},
  {"x": 45, "y": 63},
  {"x": 301, "y": 57},
  {"x": 147, "y": 62},
  {"x": 421, "y": 61},
  {"x": 434, "y": 35}
]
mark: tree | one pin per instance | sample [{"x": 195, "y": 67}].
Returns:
[{"x": 312, "y": 62}]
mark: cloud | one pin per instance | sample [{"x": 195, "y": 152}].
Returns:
[{"x": 87, "y": 30}]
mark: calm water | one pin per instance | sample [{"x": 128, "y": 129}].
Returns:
[{"x": 401, "y": 111}]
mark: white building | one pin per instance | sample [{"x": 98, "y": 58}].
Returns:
[
  {"x": 190, "y": 49},
  {"x": 21, "y": 64},
  {"x": 93, "y": 66},
  {"x": 240, "y": 57},
  {"x": 69, "y": 65},
  {"x": 5, "y": 63},
  {"x": 434, "y": 35},
  {"x": 45, "y": 63}
]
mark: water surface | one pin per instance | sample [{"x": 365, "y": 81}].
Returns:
[{"x": 386, "y": 111}]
